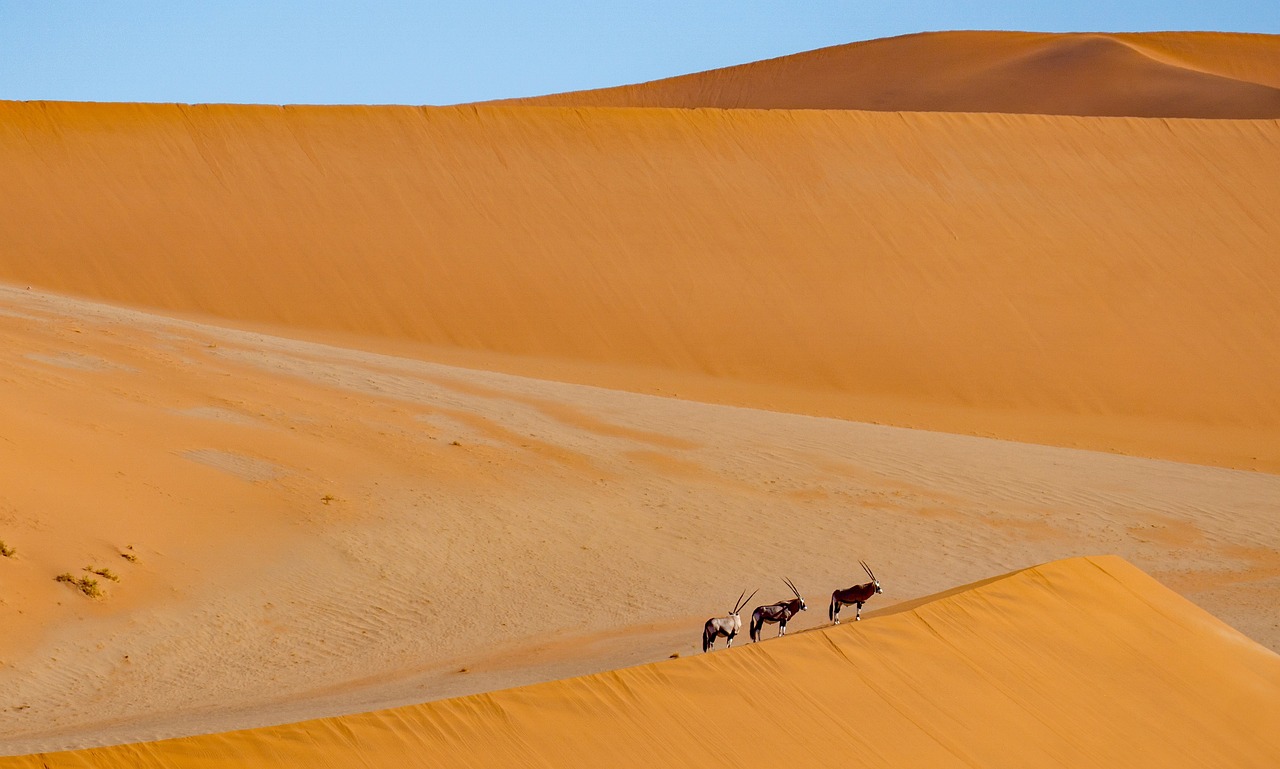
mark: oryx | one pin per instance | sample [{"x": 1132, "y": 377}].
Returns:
[
  {"x": 858, "y": 594},
  {"x": 778, "y": 612},
  {"x": 725, "y": 626}
]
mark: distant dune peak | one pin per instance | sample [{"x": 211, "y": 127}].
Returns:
[{"x": 1176, "y": 74}]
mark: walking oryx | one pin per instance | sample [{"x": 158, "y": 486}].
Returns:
[
  {"x": 779, "y": 612},
  {"x": 858, "y": 594},
  {"x": 725, "y": 626}
]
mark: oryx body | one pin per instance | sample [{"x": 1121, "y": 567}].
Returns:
[
  {"x": 777, "y": 613},
  {"x": 727, "y": 627},
  {"x": 858, "y": 594}
]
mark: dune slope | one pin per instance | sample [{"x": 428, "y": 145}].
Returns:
[
  {"x": 1086, "y": 662},
  {"x": 1106, "y": 283},
  {"x": 1189, "y": 74},
  {"x": 316, "y": 531}
]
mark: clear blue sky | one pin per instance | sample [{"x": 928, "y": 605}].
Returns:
[{"x": 470, "y": 50}]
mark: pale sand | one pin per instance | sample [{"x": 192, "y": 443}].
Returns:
[
  {"x": 1094, "y": 282},
  {"x": 1086, "y": 662},
  {"x": 1162, "y": 74},
  {"x": 252, "y": 601}
]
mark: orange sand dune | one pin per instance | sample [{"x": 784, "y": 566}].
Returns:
[
  {"x": 316, "y": 531},
  {"x": 1183, "y": 74},
  {"x": 1086, "y": 662},
  {"x": 1106, "y": 283}
]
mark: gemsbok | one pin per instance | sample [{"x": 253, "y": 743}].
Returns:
[
  {"x": 858, "y": 594},
  {"x": 778, "y": 613},
  {"x": 727, "y": 627}
]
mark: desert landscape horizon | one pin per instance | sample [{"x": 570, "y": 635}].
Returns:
[{"x": 426, "y": 435}]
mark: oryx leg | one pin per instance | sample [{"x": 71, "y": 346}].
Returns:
[
  {"x": 836, "y": 613},
  {"x": 858, "y": 616}
]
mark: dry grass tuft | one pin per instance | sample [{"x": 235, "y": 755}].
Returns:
[
  {"x": 86, "y": 585},
  {"x": 106, "y": 573},
  {"x": 5, "y": 550}
]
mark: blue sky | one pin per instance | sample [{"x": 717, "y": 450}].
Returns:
[{"x": 471, "y": 50}]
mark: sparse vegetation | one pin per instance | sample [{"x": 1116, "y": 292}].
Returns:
[
  {"x": 106, "y": 573},
  {"x": 327, "y": 498},
  {"x": 5, "y": 550},
  {"x": 130, "y": 557},
  {"x": 86, "y": 585}
]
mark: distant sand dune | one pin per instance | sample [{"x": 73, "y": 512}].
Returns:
[
  {"x": 1106, "y": 283},
  {"x": 1086, "y": 662},
  {"x": 1205, "y": 75}
]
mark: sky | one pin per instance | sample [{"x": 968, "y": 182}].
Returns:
[{"x": 257, "y": 51}]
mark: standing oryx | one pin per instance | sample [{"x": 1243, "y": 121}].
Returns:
[
  {"x": 858, "y": 594},
  {"x": 725, "y": 626},
  {"x": 779, "y": 612}
]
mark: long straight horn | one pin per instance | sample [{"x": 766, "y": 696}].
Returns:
[
  {"x": 867, "y": 569},
  {"x": 738, "y": 604},
  {"x": 791, "y": 585},
  {"x": 744, "y": 603}
]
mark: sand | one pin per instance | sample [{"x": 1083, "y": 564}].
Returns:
[
  {"x": 1075, "y": 658},
  {"x": 355, "y": 529},
  {"x": 1168, "y": 74},
  {"x": 354, "y": 409},
  {"x": 1091, "y": 282}
]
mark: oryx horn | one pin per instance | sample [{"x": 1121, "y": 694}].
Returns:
[
  {"x": 791, "y": 585},
  {"x": 741, "y": 603},
  {"x": 867, "y": 569}
]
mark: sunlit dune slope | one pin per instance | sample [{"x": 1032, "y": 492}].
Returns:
[
  {"x": 1186, "y": 74},
  {"x": 1099, "y": 282},
  {"x": 282, "y": 530},
  {"x": 1086, "y": 662}
]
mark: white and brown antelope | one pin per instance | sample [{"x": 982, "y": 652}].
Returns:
[
  {"x": 727, "y": 627},
  {"x": 778, "y": 613},
  {"x": 858, "y": 594}
]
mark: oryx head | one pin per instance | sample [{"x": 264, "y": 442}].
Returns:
[
  {"x": 791, "y": 585},
  {"x": 874, "y": 581},
  {"x": 737, "y": 607}
]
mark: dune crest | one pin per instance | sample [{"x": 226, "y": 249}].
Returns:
[
  {"x": 1080, "y": 662},
  {"x": 1189, "y": 74}
]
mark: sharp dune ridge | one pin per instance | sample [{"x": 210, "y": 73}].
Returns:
[
  {"x": 451, "y": 417},
  {"x": 1166, "y": 74},
  {"x": 1070, "y": 656}
]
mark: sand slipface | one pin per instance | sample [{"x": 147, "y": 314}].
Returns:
[{"x": 1085, "y": 662}]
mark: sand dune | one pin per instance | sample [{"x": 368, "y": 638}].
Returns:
[
  {"x": 1104, "y": 283},
  {"x": 1086, "y": 662},
  {"x": 1202, "y": 75},
  {"x": 307, "y": 412},
  {"x": 319, "y": 531}
]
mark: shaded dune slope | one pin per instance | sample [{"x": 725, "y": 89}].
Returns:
[
  {"x": 1094, "y": 282},
  {"x": 1205, "y": 75},
  {"x": 1085, "y": 662}
]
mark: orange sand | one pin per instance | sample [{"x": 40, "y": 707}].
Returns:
[
  {"x": 1168, "y": 74},
  {"x": 1104, "y": 283},
  {"x": 461, "y": 499},
  {"x": 261, "y": 369},
  {"x": 1086, "y": 662}
]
